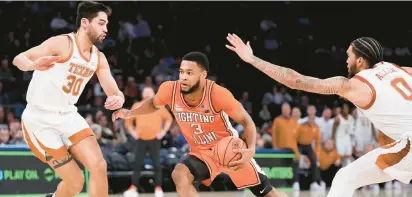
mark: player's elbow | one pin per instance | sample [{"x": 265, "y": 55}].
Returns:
[{"x": 18, "y": 62}]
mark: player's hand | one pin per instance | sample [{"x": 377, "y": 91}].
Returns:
[
  {"x": 244, "y": 51},
  {"x": 247, "y": 155},
  {"x": 114, "y": 102},
  {"x": 161, "y": 134},
  {"x": 337, "y": 162},
  {"x": 45, "y": 62},
  {"x": 121, "y": 113}
]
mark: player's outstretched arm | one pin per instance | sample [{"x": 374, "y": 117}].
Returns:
[
  {"x": 287, "y": 76},
  {"x": 43, "y": 56},
  {"x": 115, "y": 98},
  {"x": 162, "y": 98}
]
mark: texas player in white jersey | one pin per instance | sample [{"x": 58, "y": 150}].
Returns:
[
  {"x": 54, "y": 130},
  {"x": 342, "y": 133},
  {"x": 365, "y": 134},
  {"x": 381, "y": 90}
]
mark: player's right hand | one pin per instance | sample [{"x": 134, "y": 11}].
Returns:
[
  {"x": 45, "y": 62},
  {"x": 121, "y": 113},
  {"x": 244, "y": 51}
]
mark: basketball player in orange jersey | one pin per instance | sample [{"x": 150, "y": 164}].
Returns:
[
  {"x": 381, "y": 90},
  {"x": 54, "y": 130},
  {"x": 202, "y": 110}
]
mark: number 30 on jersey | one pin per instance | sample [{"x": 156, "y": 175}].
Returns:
[{"x": 73, "y": 86}]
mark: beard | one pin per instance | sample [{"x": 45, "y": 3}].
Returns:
[
  {"x": 352, "y": 71},
  {"x": 192, "y": 89},
  {"x": 93, "y": 37}
]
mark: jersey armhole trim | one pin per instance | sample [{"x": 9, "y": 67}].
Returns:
[
  {"x": 371, "y": 88},
  {"x": 173, "y": 96},
  {"x": 397, "y": 66},
  {"x": 71, "y": 49},
  {"x": 98, "y": 58},
  {"x": 210, "y": 98}
]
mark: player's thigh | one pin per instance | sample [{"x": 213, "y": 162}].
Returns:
[
  {"x": 195, "y": 169},
  {"x": 88, "y": 152},
  {"x": 82, "y": 143},
  {"x": 44, "y": 140}
]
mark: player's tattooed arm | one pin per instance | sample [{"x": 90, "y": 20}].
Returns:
[{"x": 295, "y": 80}]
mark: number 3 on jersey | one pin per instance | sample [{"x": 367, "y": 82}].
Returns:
[
  {"x": 73, "y": 86},
  {"x": 198, "y": 129},
  {"x": 402, "y": 87}
]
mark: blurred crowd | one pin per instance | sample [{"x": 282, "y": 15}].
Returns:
[{"x": 144, "y": 48}]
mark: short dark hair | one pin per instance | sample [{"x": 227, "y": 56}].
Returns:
[
  {"x": 199, "y": 58},
  {"x": 369, "y": 49},
  {"x": 89, "y": 10}
]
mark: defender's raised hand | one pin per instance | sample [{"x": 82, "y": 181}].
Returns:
[{"x": 244, "y": 51}]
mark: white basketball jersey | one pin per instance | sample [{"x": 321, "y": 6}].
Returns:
[
  {"x": 59, "y": 88},
  {"x": 391, "y": 107},
  {"x": 345, "y": 127}
]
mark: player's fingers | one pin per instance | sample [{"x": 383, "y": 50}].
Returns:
[
  {"x": 241, "y": 151},
  {"x": 237, "y": 38},
  {"x": 230, "y": 47},
  {"x": 234, "y": 163},
  {"x": 232, "y": 40},
  {"x": 248, "y": 44}
]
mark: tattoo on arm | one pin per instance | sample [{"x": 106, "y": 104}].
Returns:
[{"x": 295, "y": 80}]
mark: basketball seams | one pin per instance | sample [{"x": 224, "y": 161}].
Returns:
[
  {"x": 237, "y": 153},
  {"x": 224, "y": 154}
]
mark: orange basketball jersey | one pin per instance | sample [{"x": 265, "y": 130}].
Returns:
[{"x": 202, "y": 125}]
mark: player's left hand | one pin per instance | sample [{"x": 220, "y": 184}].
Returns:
[
  {"x": 247, "y": 155},
  {"x": 114, "y": 102},
  {"x": 244, "y": 51}
]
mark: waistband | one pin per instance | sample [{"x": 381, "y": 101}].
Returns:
[{"x": 49, "y": 110}]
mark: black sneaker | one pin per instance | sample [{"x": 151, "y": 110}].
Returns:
[{"x": 50, "y": 195}]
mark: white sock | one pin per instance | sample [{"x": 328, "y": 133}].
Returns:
[{"x": 54, "y": 195}]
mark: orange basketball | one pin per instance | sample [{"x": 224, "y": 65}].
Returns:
[{"x": 224, "y": 150}]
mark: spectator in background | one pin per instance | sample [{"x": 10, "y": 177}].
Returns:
[
  {"x": 264, "y": 114},
  {"x": 342, "y": 132},
  {"x": 325, "y": 124},
  {"x": 4, "y": 135},
  {"x": 58, "y": 22},
  {"x": 284, "y": 131},
  {"x": 4, "y": 97},
  {"x": 5, "y": 71},
  {"x": 17, "y": 138},
  {"x": 141, "y": 28},
  {"x": 364, "y": 132},
  {"x": 246, "y": 103},
  {"x": 307, "y": 134},
  {"x": 148, "y": 131},
  {"x": 2, "y": 115},
  {"x": 329, "y": 161}
]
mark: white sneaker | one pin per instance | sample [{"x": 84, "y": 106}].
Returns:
[
  {"x": 130, "y": 193},
  {"x": 388, "y": 185},
  {"x": 296, "y": 186},
  {"x": 375, "y": 189},
  {"x": 158, "y": 193},
  {"x": 397, "y": 185},
  {"x": 323, "y": 186},
  {"x": 315, "y": 187}
]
